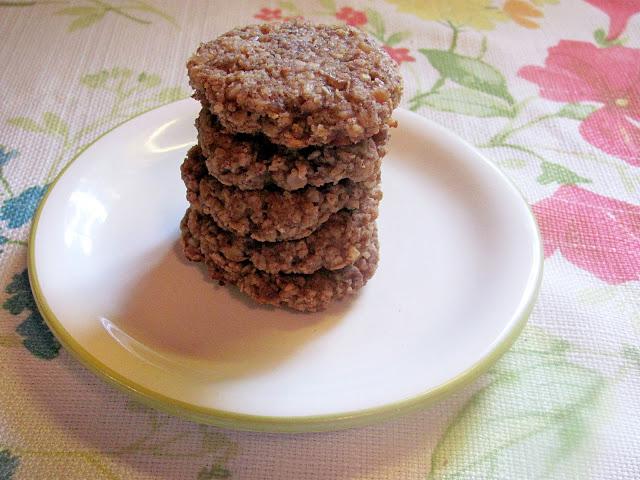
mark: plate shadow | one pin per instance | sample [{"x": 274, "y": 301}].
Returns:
[{"x": 175, "y": 316}]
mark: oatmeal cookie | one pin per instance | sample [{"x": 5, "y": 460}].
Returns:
[
  {"x": 252, "y": 162},
  {"x": 336, "y": 244},
  {"x": 272, "y": 215},
  {"x": 192, "y": 170},
  {"x": 297, "y": 83},
  {"x": 307, "y": 293}
]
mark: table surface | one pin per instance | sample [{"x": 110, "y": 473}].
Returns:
[{"x": 549, "y": 90}]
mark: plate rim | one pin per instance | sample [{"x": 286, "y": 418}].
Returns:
[{"x": 284, "y": 424}]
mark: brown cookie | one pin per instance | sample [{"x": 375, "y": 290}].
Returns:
[
  {"x": 297, "y": 83},
  {"x": 252, "y": 162},
  {"x": 336, "y": 244},
  {"x": 307, "y": 293},
  {"x": 271, "y": 215},
  {"x": 192, "y": 170}
]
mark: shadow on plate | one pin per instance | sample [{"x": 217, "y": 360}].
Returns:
[{"x": 175, "y": 317}]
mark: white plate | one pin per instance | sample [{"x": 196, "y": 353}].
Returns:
[{"x": 459, "y": 272}]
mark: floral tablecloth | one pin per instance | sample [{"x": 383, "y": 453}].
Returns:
[{"x": 547, "y": 89}]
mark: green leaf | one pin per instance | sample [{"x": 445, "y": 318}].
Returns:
[
  {"x": 553, "y": 172},
  {"x": 171, "y": 94},
  {"x": 54, "y": 124},
  {"x": 137, "y": 407},
  {"x": 330, "y": 5},
  {"x": 220, "y": 446},
  {"x": 37, "y": 338},
  {"x": 289, "y": 6},
  {"x": 25, "y": 124},
  {"x": 512, "y": 163},
  {"x": 120, "y": 73},
  {"x": 149, "y": 80},
  {"x": 469, "y": 72},
  {"x": 397, "y": 37},
  {"x": 8, "y": 464},
  {"x": 632, "y": 353},
  {"x": 534, "y": 413},
  {"x": 600, "y": 36},
  {"x": 468, "y": 102},
  {"x": 95, "y": 80},
  {"x": 145, "y": 7},
  {"x": 595, "y": 295},
  {"x": 483, "y": 47},
  {"x": 376, "y": 22},
  {"x": 78, "y": 11},
  {"x": 576, "y": 111},
  {"x": 104, "y": 78},
  {"x": 84, "y": 21},
  {"x": 215, "y": 441},
  {"x": 215, "y": 471}
]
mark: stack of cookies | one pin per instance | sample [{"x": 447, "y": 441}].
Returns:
[{"x": 284, "y": 183}]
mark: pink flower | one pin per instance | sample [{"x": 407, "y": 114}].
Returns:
[
  {"x": 619, "y": 12},
  {"x": 399, "y": 54},
  {"x": 595, "y": 233},
  {"x": 579, "y": 71},
  {"x": 269, "y": 14},
  {"x": 352, "y": 17}
]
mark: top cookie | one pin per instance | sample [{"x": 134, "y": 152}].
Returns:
[{"x": 297, "y": 83}]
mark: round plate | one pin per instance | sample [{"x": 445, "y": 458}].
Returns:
[{"x": 459, "y": 272}]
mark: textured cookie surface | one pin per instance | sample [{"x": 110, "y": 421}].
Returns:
[
  {"x": 336, "y": 244},
  {"x": 308, "y": 293},
  {"x": 271, "y": 215},
  {"x": 252, "y": 162},
  {"x": 297, "y": 83}
]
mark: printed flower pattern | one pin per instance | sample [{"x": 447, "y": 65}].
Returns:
[
  {"x": 398, "y": 54},
  {"x": 8, "y": 464},
  {"x": 269, "y": 14},
  {"x": 465, "y": 77},
  {"x": 522, "y": 13},
  {"x": 86, "y": 14},
  {"x": 595, "y": 233},
  {"x": 478, "y": 14},
  {"x": 6, "y": 154},
  {"x": 619, "y": 12},
  {"x": 19, "y": 210},
  {"x": 579, "y": 71},
  {"x": 355, "y": 18}
]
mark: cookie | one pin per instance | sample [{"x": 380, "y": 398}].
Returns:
[
  {"x": 307, "y": 293},
  {"x": 336, "y": 244},
  {"x": 192, "y": 170},
  {"x": 297, "y": 83},
  {"x": 271, "y": 215},
  {"x": 252, "y": 162}
]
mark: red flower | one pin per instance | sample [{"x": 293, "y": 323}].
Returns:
[
  {"x": 619, "y": 12},
  {"x": 399, "y": 54},
  {"x": 352, "y": 17},
  {"x": 579, "y": 71},
  {"x": 269, "y": 14},
  {"x": 595, "y": 233}
]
